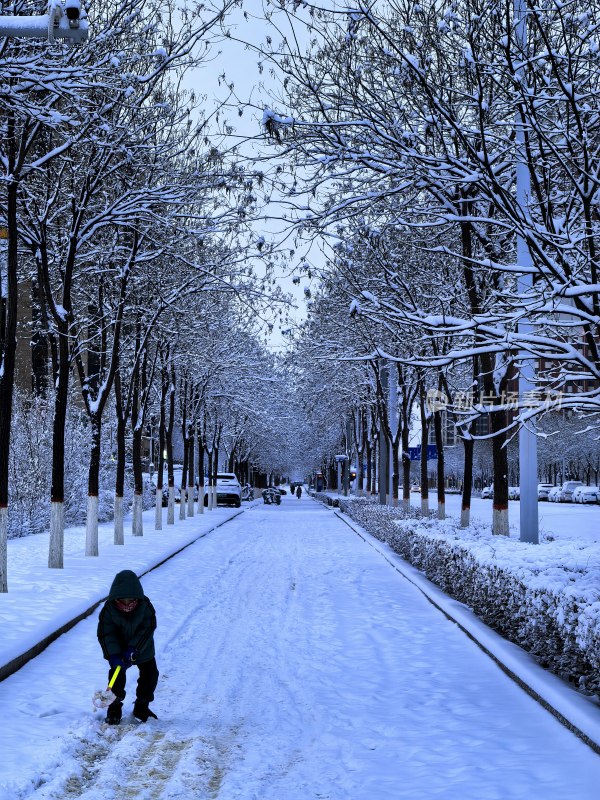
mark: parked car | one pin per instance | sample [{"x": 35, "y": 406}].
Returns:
[
  {"x": 566, "y": 491},
  {"x": 229, "y": 489},
  {"x": 514, "y": 492},
  {"x": 586, "y": 494},
  {"x": 544, "y": 490},
  {"x": 554, "y": 494},
  {"x": 416, "y": 489},
  {"x": 487, "y": 492}
]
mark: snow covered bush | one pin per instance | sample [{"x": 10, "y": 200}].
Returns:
[{"x": 545, "y": 598}]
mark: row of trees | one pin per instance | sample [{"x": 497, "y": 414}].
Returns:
[
  {"x": 127, "y": 224},
  {"x": 402, "y": 127}
]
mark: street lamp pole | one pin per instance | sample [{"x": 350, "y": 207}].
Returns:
[{"x": 529, "y": 526}]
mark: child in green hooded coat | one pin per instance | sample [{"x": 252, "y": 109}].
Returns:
[{"x": 126, "y": 635}]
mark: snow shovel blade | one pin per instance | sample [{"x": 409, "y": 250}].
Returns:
[{"x": 104, "y": 697}]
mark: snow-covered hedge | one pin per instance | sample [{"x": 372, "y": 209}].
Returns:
[
  {"x": 327, "y": 499},
  {"x": 545, "y": 598}
]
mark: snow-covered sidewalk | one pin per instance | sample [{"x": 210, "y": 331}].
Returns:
[
  {"x": 295, "y": 663},
  {"x": 40, "y": 601}
]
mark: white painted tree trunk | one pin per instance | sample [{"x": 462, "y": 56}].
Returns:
[
  {"x": 3, "y": 549},
  {"x": 210, "y": 498},
  {"x": 441, "y": 511},
  {"x": 500, "y": 522},
  {"x": 465, "y": 517},
  {"x": 201, "y": 500},
  {"x": 91, "y": 526},
  {"x": 158, "y": 511},
  {"x": 171, "y": 506},
  {"x": 425, "y": 507},
  {"x": 119, "y": 535},
  {"x": 190, "y": 502},
  {"x": 406, "y": 504},
  {"x": 57, "y": 535},
  {"x": 182, "y": 503},
  {"x": 137, "y": 524}
]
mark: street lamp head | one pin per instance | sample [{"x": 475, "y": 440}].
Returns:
[{"x": 73, "y": 12}]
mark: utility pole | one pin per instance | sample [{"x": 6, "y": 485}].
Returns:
[{"x": 529, "y": 527}]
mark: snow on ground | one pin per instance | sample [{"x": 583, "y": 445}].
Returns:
[
  {"x": 295, "y": 663},
  {"x": 562, "y": 521}
]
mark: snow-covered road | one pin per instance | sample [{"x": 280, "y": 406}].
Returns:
[{"x": 295, "y": 664}]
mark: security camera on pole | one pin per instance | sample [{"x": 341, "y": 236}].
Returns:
[{"x": 66, "y": 19}]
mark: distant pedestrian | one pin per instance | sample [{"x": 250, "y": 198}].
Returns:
[
  {"x": 299, "y": 492},
  {"x": 126, "y": 635}
]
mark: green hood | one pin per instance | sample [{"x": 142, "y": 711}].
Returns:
[{"x": 126, "y": 584}]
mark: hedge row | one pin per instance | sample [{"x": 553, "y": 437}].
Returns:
[{"x": 546, "y": 600}]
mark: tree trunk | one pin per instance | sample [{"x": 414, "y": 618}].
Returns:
[
  {"x": 500, "y": 462},
  {"x": 396, "y": 468},
  {"x": 39, "y": 343},
  {"x": 119, "y": 533},
  {"x": 8, "y": 340},
  {"x": 137, "y": 523},
  {"x": 374, "y": 467},
  {"x": 405, "y": 466},
  {"x": 161, "y": 452},
  {"x": 424, "y": 441},
  {"x": 191, "y": 483},
  {"x": 369, "y": 457},
  {"x": 210, "y": 480},
  {"x": 184, "y": 472},
  {"x": 169, "y": 438},
  {"x": 57, "y": 492},
  {"x": 91, "y": 528},
  {"x": 465, "y": 512},
  {"x": 200, "y": 474},
  {"x": 215, "y": 473},
  {"x": 3, "y": 549},
  {"x": 439, "y": 441}
]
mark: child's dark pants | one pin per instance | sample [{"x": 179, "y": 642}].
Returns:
[{"x": 146, "y": 682}]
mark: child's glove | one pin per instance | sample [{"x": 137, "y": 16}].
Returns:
[
  {"x": 116, "y": 661},
  {"x": 129, "y": 656}
]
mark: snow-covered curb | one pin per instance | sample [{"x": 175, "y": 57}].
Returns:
[
  {"x": 544, "y": 598},
  {"x": 580, "y": 713}
]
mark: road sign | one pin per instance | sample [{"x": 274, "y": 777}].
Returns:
[{"x": 415, "y": 452}]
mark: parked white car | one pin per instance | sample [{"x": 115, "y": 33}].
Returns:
[
  {"x": 567, "y": 489},
  {"x": 487, "y": 492},
  {"x": 544, "y": 490},
  {"x": 229, "y": 489},
  {"x": 554, "y": 494},
  {"x": 586, "y": 494},
  {"x": 514, "y": 492}
]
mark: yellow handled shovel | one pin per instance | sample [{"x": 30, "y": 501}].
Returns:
[{"x": 104, "y": 697}]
